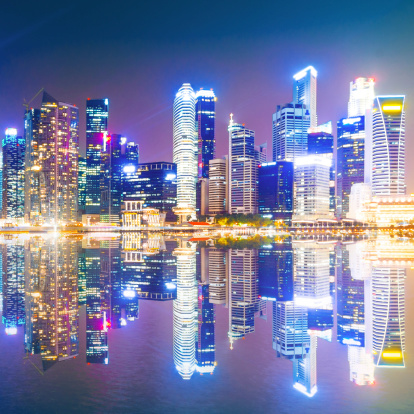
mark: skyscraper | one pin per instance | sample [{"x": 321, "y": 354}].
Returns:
[
  {"x": 205, "y": 124},
  {"x": 243, "y": 167},
  {"x": 385, "y": 146},
  {"x": 275, "y": 190},
  {"x": 312, "y": 187},
  {"x": 290, "y": 131},
  {"x": 217, "y": 189},
  {"x": 13, "y": 175},
  {"x": 361, "y": 96},
  {"x": 33, "y": 173},
  {"x": 82, "y": 186},
  {"x": 58, "y": 160},
  {"x": 185, "y": 150},
  {"x": 350, "y": 157},
  {"x": 304, "y": 91},
  {"x": 96, "y": 131}
]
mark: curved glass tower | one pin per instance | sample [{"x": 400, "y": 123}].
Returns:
[{"x": 185, "y": 150}]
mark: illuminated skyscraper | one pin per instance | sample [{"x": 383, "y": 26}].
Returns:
[
  {"x": 290, "y": 131},
  {"x": 217, "y": 189},
  {"x": 243, "y": 168},
  {"x": 385, "y": 146},
  {"x": 205, "y": 124},
  {"x": 350, "y": 160},
  {"x": 304, "y": 370},
  {"x": 361, "y": 96},
  {"x": 96, "y": 131},
  {"x": 57, "y": 162},
  {"x": 185, "y": 311},
  {"x": 185, "y": 147},
  {"x": 217, "y": 276},
  {"x": 13, "y": 175},
  {"x": 304, "y": 91},
  {"x": 33, "y": 173},
  {"x": 275, "y": 190}
]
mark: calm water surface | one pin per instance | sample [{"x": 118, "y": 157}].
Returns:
[{"x": 152, "y": 324}]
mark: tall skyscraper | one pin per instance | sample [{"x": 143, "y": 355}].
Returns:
[
  {"x": 205, "y": 124},
  {"x": 290, "y": 131},
  {"x": 113, "y": 160},
  {"x": 304, "y": 91},
  {"x": 96, "y": 131},
  {"x": 385, "y": 146},
  {"x": 243, "y": 167},
  {"x": 350, "y": 155},
  {"x": 33, "y": 172},
  {"x": 13, "y": 175},
  {"x": 275, "y": 190},
  {"x": 58, "y": 159},
  {"x": 217, "y": 189},
  {"x": 185, "y": 148},
  {"x": 217, "y": 276},
  {"x": 361, "y": 96}
]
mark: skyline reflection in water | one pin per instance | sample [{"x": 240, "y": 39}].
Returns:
[{"x": 66, "y": 299}]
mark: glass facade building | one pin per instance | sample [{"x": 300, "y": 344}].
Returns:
[
  {"x": 154, "y": 183},
  {"x": 304, "y": 91},
  {"x": 275, "y": 190},
  {"x": 350, "y": 158},
  {"x": 13, "y": 175},
  {"x": 96, "y": 131},
  {"x": 205, "y": 112}
]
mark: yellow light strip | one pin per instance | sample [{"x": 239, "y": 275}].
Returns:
[{"x": 391, "y": 108}]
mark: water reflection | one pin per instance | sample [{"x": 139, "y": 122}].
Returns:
[{"x": 351, "y": 293}]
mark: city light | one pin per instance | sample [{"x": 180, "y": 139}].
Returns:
[
  {"x": 129, "y": 169},
  {"x": 11, "y": 132}
]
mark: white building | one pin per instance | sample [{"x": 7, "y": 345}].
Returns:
[
  {"x": 304, "y": 91},
  {"x": 243, "y": 170},
  {"x": 385, "y": 146},
  {"x": 360, "y": 195},
  {"x": 185, "y": 148},
  {"x": 361, "y": 96},
  {"x": 312, "y": 188},
  {"x": 217, "y": 190}
]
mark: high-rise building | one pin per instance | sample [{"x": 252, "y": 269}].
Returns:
[
  {"x": 58, "y": 161},
  {"x": 261, "y": 153},
  {"x": 290, "y": 131},
  {"x": 13, "y": 175},
  {"x": 321, "y": 142},
  {"x": 185, "y": 148},
  {"x": 202, "y": 193},
  {"x": 350, "y": 159},
  {"x": 205, "y": 113},
  {"x": 312, "y": 187},
  {"x": 82, "y": 186},
  {"x": 1, "y": 178},
  {"x": 132, "y": 153},
  {"x": 217, "y": 276},
  {"x": 217, "y": 189},
  {"x": 113, "y": 160},
  {"x": 304, "y": 91},
  {"x": 275, "y": 190},
  {"x": 243, "y": 168},
  {"x": 154, "y": 183},
  {"x": 96, "y": 131},
  {"x": 361, "y": 96},
  {"x": 385, "y": 146},
  {"x": 33, "y": 173}
]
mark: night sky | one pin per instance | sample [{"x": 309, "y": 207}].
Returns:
[{"x": 138, "y": 54}]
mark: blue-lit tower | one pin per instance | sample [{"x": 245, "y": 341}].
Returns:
[
  {"x": 13, "y": 175},
  {"x": 96, "y": 131},
  {"x": 275, "y": 190},
  {"x": 205, "y": 124}
]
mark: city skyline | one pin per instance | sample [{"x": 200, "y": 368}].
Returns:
[{"x": 252, "y": 93}]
